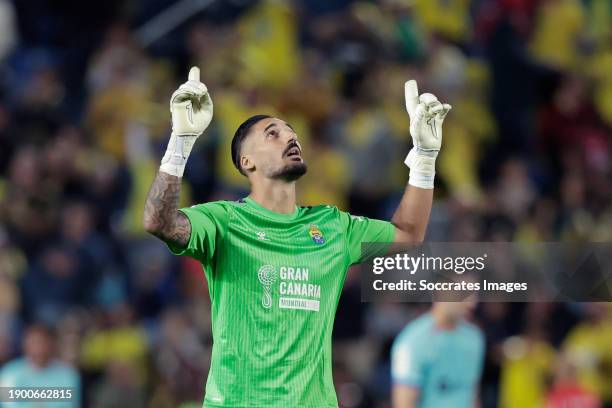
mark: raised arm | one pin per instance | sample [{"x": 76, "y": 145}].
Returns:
[
  {"x": 192, "y": 109},
  {"x": 426, "y": 117},
  {"x": 412, "y": 215},
  {"x": 161, "y": 216}
]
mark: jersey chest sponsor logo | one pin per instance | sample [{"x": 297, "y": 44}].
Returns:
[
  {"x": 267, "y": 276},
  {"x": 295, "y": 290},
  {"x": 316, "y": 235}
]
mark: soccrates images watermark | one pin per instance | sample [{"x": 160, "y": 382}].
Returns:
[{"x": 491, "y": 271}]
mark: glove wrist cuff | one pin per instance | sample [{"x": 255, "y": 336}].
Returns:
[
  {"x": 173, "y": 164},
  {"x": 426, "y": 152},
  {"x": 422, "y": 164},
  {"x": 177, "y": 153},
  {"x": 172, "y": 169}
]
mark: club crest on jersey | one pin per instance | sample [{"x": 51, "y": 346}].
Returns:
[{"x": 316, "y": 234}]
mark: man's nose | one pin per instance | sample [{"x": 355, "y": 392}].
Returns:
[
  {"x": 294, "y": 140},
  {"x": 290, "y": 137}
]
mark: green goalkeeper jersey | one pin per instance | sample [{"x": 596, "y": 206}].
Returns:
[{"x": 274, "y": 282}]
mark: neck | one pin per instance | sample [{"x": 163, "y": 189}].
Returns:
[
  {"x": 443, "y": 320},
  {"x": 275, "y": 195}
]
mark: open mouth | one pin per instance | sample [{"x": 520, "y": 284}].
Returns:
[{"x": 294, "y": 154}]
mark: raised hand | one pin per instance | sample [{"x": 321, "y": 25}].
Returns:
[
  {"x": 192, "y": 111},
  {"x": 426, "y": 117},
  {"x": 191, "y": 106}
]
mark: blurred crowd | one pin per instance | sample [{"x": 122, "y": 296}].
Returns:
[{"x": 84, "y": 121}]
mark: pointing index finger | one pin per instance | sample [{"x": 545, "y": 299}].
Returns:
[
  {"x": 194, "y": 74},
  {"x": 411, "y": 91}
]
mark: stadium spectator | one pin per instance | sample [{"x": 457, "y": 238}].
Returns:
[
  {"x": 566, "y": 391},
  {"x": 587, "y": 348}
]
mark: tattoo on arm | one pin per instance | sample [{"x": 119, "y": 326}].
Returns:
[{"x": 161, "y": 215}]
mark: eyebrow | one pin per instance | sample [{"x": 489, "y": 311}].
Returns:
[
  {"x": 274, "y": 124},
  {"x": 269, "y": 126}
]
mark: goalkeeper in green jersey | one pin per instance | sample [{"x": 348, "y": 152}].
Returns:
[{"x": 275, "y": 270}]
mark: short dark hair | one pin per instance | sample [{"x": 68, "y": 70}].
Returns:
[{"x": 241, "y": 133}]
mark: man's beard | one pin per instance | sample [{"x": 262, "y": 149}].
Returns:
[{"x": 290, "y": 172}]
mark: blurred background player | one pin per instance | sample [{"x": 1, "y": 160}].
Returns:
[
  {"x": 436, "y": 361},
  {"x": 40, "y": 368}
]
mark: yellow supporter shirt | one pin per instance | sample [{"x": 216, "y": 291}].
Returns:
[{"x": 525, "y": 369}]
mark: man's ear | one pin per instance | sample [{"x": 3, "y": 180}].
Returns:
[{"x": 246, "y": 163}]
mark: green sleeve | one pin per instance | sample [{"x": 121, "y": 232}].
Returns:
[
  {"x": 362, "y": 229},
  {"x": 208, "y": 225}
]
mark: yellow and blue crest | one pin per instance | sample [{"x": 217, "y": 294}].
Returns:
[{"x": 316, "y": 234}]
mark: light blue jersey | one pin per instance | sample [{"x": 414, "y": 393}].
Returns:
[
  {"x": 21, "y": 373},
  {"x": 445, "y": 365}
]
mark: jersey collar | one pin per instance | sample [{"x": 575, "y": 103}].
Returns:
[{"x": 269, "y": 213}]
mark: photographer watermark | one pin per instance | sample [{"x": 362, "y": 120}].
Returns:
[
  {"x": 37, "y": 395},
  {"x": 508, "y": 272}
]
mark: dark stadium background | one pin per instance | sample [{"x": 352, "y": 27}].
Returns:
[{"x": 84, "y": 120}]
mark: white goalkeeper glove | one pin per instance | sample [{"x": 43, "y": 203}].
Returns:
[
  {"x": 192, "y": 111},
  {"x": 426, "y": 117}
]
